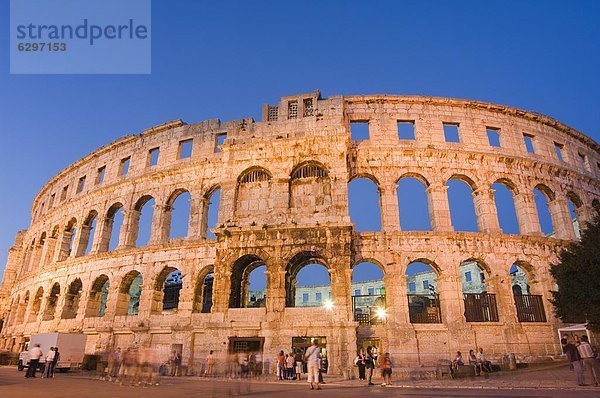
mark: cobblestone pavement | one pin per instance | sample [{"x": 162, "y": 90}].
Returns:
[{"x": 552, "y": 382}]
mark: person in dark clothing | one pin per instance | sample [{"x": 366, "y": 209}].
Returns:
[
  {"x": 360, "y": 362},
  {"x": 574, "y": 359},
  {"x": 54, "y": 361},
  {"x": 370, "y": 365}
]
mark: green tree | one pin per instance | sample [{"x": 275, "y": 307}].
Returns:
[{"x": 578, "y": 278}]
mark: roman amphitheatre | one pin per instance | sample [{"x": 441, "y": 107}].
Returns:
[{"x": 279, "y": 192}]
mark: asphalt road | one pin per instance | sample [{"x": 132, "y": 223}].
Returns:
[{"x": 14, "y": 385}]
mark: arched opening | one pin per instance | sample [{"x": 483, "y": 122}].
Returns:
[
  {"x": 142, "y": 227},
  {"x": 68, "y": 238},
  {"x": 423, "y": 298},
  {"x": 22, "y": 308},
  {"x": 88, "y": 232},
  {"x": 462, "y": 207},
  {"x": 368, "y": 293},
  {"x": 112, "y": 228},
  {"x": 38, "y": 260},
  {"x": 413, "y": 204},
  {"x": 203, "y": 296},
  {"x": 128, "y": 302},
  {"x": 480, "y": 305},
  {"x": 36, "y": 306},
  {"x": 575, "y": 207},
  {"x": 212, "y": 205},
  {"x": 530, "y": 307},
  {"x": 179, "y": 214},
  {"x": 542, "y": 196},
  {"x": 98, "y": 297},
  {"x": 310, "y": 188},
  {"x": 51, "y": 302},
  {"x": 307, "y": 281},
  {"x": 253, "y": 193},
  {"x": 505, "y": 208},
  {"x": 364, "y": 205},
  {"x": 248, "y": 283},
  {"x": 166, "y": 290},
  {"x": 72, "y": 300}
]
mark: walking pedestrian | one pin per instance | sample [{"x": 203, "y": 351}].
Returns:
[
  {"x": 55, "y": 361},
  {"x": 281, "y": 365},
  {"x": 385, "y": 363},
  {"x": 49, "y": 362},
  {"x": 574, "y": 359},
  {"x": 370, "y": 365},
  {"x": 210, "y": 364},
  {"x": 312, "y": 359},
  {"x": 35, "y": 354},
  {"x": 360, "y": 362},
  {"x": 299, "y": 365},
  {"x": 289, "y": 364},
  {"x": 588, "y": 359}
]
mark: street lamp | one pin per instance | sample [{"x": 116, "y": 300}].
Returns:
[
  {"x": 381, "y": 313},
  {"x": 328, "y": 305}
]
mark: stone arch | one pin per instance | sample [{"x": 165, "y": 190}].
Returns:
[
  {"x": 210, "y": 211},
  {"x": 240, "y": 283},
  {"x": 479, "y": 304},
  {"x": 423, "y": 299},
  {"x": 506, "y": 209},
  {"x": 526, "y": 292},
  {"x": 367, "y": 290},
  {"x": 130, "y": 290},
  {"x": 576, "y": 212},
  {"x": 464, "y": 178},
  {"x": 51, "y": 302},
  {"x": 166, "y": 290},
  {"x": 98, "y": 296},
  {"x": 178, "y": 221},
  {"x": 36, "y": 305},
  {"x": 253, "y": 193},
  {"x": 203, "y": 294},
  {"x": 546, "y": 217},
  {"x": 22, "y": 308},
  {"x": 110, "y": 232},
  {"x": 293, "y": 268},
  {"x": 413, "y": 202},
  {"x": 461, "y": 203},
  {"x": 73, "y": 295},
  {"x": 364, "y": 203},
  {"x": 88, "y": 231},
  {"x": 141, "y": 221},
  {"x": 68, "y": 239},
  {"x": 474, "y": 273},
  {"x": 309, "y": 187}
]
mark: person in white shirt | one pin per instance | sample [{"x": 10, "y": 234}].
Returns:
[
  {"x": 35, "y": 354},
  {"x": 312, "y": 359},
  {"x": 482, "y": 361},
  {"x": 49, "y": 363},
  {"x": 588, "y": 358}
]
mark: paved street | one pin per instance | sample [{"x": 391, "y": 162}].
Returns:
[{"x": 14, "y": 385}]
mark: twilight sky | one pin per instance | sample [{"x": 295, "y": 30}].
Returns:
[{"x": 224, "y": 59}]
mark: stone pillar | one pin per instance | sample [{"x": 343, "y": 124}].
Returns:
[
  {"x": 129, "y": 229},
  {"x": 47, "y": 251},
  {"x": 585, "y": 214},
  {"x": 102, "y": 237},
  {"x": 203, "y": 217},
  {"x": 527, "y": 216},
  {"x": 81, "y": 241},
  {"x": 161, "y": 221},
  {"x": 275, "y": 289},
  {"x": 197, "y": 206},
  {"x": 390, "y": 212},
  {"x": 485, "y": 208},
  {"x": 439, "y": 209},
  {"x": 561, "y": 218},
  {"x": 62, "y": 250}
]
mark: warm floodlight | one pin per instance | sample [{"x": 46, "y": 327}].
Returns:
[
  {"x": 381, "y": 313},
  {"x": 328, "y": 304}
]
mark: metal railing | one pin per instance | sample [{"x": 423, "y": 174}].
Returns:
[
  {"x": 424, "y": 308},
  {"x": 368, "y": 309},
  {"x": 480, "y": 307},
  {"x": 530, "y": 308}
]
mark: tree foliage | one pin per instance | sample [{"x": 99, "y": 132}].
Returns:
[{"x": 578, "y": 278}]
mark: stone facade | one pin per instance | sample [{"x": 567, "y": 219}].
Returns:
[{"x": 284, "y": 204}]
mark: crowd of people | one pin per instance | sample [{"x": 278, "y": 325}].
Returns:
[
  {"x": 581, "y": 357},
  {"x": 367, "y": 360},
  {"x": 50, "y": 361}
]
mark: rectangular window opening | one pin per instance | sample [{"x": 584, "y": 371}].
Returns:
[
  {"x": 318, "y": 296},
  {"x": 426, "y": 285},
  {"x": 272, "y": 113},
  {"x": 493, "y": 136},
  {"x": 308, "y": 107},
  {"x": 153, "y": 155},
  {"x": 371, "y": 291},
  {"x": 185, "y": 149},
  {"x": 451, "y": 132},
  {"x": 529, "y": 143},
  {"x": 583, "y": 161},
  {"x": 558, "y": 148},
  {"x": 412, "y": 287},
  {"x": 406, "y": 129},
  {"x": 304, "y": 297},
  {"x": 219, "y": 141},
  {"x": 468, "y": 277},
  {"x": 51, "y": 202},
  {"x": 81, "y": 184},
  {"x": 63, "y": 194},
  {"x": 359, "y": 130},
  {"x": 293, "y": 110},
  {"x": 124, "y": 166},
  {"x": 100, "y": 175},
  {"x": 357, "y": 292}
]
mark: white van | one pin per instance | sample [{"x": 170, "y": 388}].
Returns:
[{"x": 71, "y": 347}]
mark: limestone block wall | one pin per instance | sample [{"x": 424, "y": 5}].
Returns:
[{"x": 284, "y": 204}]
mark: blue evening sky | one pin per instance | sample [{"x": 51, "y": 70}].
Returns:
[{"x": 224, "y": 59}]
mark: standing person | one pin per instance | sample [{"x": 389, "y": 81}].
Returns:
[
  {"x": 35, "y": 354},
  {"x": 312, "y": 358},
  {"x": 369, "y": 365},
  {"x": 49, "y": 362},
  {"x": 587, "y": 358},
  {"x": 385, "y": 363},
  {"x": 321, "y": 368},
  {"x": 289, "y": 364},
  {"x": 574, "y": 359},
  {"x": 55, "y": 361},
  {"x": 360, "y": 362},
  {"x": 299, "y": 364},
  {"x": 210, "y": 364},
  {"x": 281, "y": 365}
]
